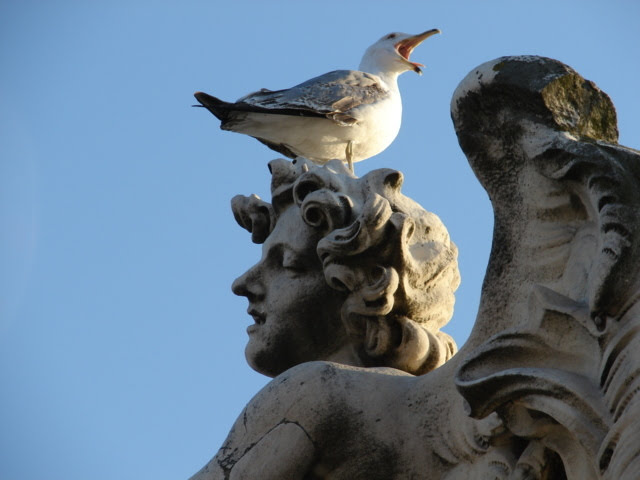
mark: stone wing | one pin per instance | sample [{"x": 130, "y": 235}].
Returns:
[{"x": 554, "y": 351}]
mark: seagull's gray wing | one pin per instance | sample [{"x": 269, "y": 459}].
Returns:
[{"x": 332, "y": 95}]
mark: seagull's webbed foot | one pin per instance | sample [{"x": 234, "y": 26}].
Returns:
[{"x": 349, "y": 155}]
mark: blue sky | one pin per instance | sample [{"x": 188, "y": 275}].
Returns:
[{"x": 121, "y": 344}]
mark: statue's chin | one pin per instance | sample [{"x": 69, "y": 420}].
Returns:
[{"x": 262, "y": 361}]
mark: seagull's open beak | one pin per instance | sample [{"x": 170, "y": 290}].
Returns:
[{"x": 406, "y": 46}]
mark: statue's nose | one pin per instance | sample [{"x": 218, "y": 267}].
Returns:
[{"x": 249, "y": 285}]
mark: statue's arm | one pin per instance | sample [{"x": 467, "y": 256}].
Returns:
[
  {"x": 273, "y": 436},
  {"x": 286, "y": 451},
  {"x": 321, "y": 419}
]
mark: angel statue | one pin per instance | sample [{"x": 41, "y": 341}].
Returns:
[{"x": 356, "y": 280}]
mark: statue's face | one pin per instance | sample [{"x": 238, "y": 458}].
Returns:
[{"x": 296, "y": 314}]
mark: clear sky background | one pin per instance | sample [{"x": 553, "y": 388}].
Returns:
[{"x": 121, "y": 344}]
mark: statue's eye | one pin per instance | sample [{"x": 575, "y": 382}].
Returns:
[
  {"x": 293, "y": 262},
  {"x": 390, "y": 36}
]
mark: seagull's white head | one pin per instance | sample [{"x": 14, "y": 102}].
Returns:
[{"x": 390, "y": 54}]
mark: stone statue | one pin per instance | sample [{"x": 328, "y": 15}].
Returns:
[
  {"x": 356, "y": 280},
  {"x": 352, "y": 271}
]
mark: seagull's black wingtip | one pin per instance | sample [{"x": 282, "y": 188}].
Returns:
[
  {"x": 205, "y": 98},
  {"x": 216, "y": 106}
]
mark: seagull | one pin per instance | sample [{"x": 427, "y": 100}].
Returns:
[{"x": 349, "y": 115}]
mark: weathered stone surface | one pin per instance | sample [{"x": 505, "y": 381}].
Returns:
[
  {"x": 547, "y": 385},
  {"x": 555, "y": 348}
]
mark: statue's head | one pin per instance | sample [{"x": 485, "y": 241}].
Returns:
[{"x": 352, "y": 271}]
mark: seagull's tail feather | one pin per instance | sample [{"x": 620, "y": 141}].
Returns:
[{"x": 219, "y": 108}]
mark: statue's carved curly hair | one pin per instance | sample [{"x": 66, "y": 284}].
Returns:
[{"x": 394, "y": 260}]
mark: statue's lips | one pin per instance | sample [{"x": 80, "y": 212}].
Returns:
[{"x": 258, "y": 317}]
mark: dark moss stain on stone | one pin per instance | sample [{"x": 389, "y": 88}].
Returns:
[{"x": 579, "y": 107}]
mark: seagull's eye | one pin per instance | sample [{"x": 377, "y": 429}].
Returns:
[{"x": 390, "y": 36}]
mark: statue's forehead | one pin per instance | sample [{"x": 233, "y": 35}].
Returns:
[{"x": 292, "y": 232}]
